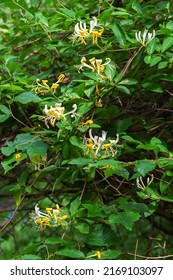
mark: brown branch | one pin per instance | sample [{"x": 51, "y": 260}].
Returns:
[
  {"x": 14, "y": 213},
  {"x": 150, "y": 258}
]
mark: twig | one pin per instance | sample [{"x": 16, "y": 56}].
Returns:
[
  {"x": 150, "y": 258},
  {"x": 14, "y": 213},
  {"x": 130, "y": 61}
]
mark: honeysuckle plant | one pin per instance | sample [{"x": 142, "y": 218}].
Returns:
[{"x": 85, "y": 114}]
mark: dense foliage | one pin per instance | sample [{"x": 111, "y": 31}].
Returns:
[{"x": 86, "y": 129}]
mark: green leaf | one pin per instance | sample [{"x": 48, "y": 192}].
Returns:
[
  {"x": 126, "y": 219},
  {"x": 54, "y": 240},
  {"x": 76, "y": 141},
  {"x": 74, "y": 206},
  {"x": 145, "y": 166},
  {"x": 120, "y": 171},
  {"x": 5, "y": 110},
  {"x": 37, "y": 147},
  {"x": 110, "y": 71},
  {"x": 133, "y": 206},
  {"x": 82, "y": 227},
  {"x": 3, "y": 118},
  {"x": 119, "y": 33},
  {"x": 68, "y": 13},
  {"x": 94, "y": 210},
  {"x": 130, "y": 139},
  {"x": 17, "y": 196},
  {"x": 41, "y": 18},
  {"x": 124, "y": 124},
  {"x": 137, "y": 7},
  {"x": 32, "y": 144},
  {"x": 151, "y": 47},
  {"x": 30, "y": 257},
  {"x": 9, "y": 149},
  {"x": 163, "y": 64},
  {"x": 123, "y": 89},
  {"x": 80, "y": 161},
  {"x": 99, "y": 237},
  {"x": 154, "y": 60},
  {"x": 27, "y": 97},
  {"x": 158, "y": 143},
  {"x": 110, "y": 254},
  {"x": 128, "y": 82},
  {"x": 71, "y": 253},
  {"x": 151, "y": 86},
  {"x": 167, "y": 43}
]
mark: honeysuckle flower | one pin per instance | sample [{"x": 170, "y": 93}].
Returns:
[
  {"x": 73, "y": 112},
  {"x": 81, "y": 32},
  {"x": 110, "y": 145},
  {"x": 93, "y": 24},
  {"x": 145, "y": 38},
  {"x": 140, "y": 184},
  {"x": 97, "y": 254},
  {"x": 98, "y": 144},
  {"x": 43, "y": 87},
  {"x": 95, "y": 142},
  {"x": 88, "y": 122},
  {"x": 95, "y": 65},
  {"x": 18, "y": 156},
  {"x": 56, "y": 113},
  {"x": 52, "y": 217}
]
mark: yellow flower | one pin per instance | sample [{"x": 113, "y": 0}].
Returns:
[
  {"x": 90, "y": 144},
  {"x": 97, "y": 254},
  {"x": 52, "y": 217},
  {"x": 56, "y": 113},
  {"x": 95, "y": 65},
  {"x": 18, "y": 156},
  {"x": 55, "y": 86},
  {"x": 81, "y": 32},
  {"x": 95, "y": 35},
  {"x": 63, "y": 218},
  {"x": 89, "y": 122}
]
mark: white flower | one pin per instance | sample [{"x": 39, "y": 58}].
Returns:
[
  {"x": 95, "y": 65},
  {"x": 73, "y": 112},
  {"x": 81, "y": 31},
  {"x": 56, "y": 113},
  {"x": 140, "y": 184},
  {"x": 93, "y": 24},
  {"x": 145, "y": 38},
  {"x": 97, "y": 141},
  {"x": 39, "y": 214}
]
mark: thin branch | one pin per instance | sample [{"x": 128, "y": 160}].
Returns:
[
  {"x": 150, "y": 258},
  {"x": 14, "y": 213}
]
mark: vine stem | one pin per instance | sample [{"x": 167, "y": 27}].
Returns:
[
  {"x": 14, "y": 213},
  {"x": 130, "y": 61}
]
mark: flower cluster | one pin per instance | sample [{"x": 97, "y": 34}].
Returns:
[
  {"x": 95, "y": 65},
  {"x": 52, "y": 217},
  {"x": 145, "y": 38},
  {"x": 43, "y": 87},
  {"x": 96, "y": 144},
  {"x": 81, "y": 32},
  {"x": 56, "y": 113},
  {"x": 140, "y": 184}
]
